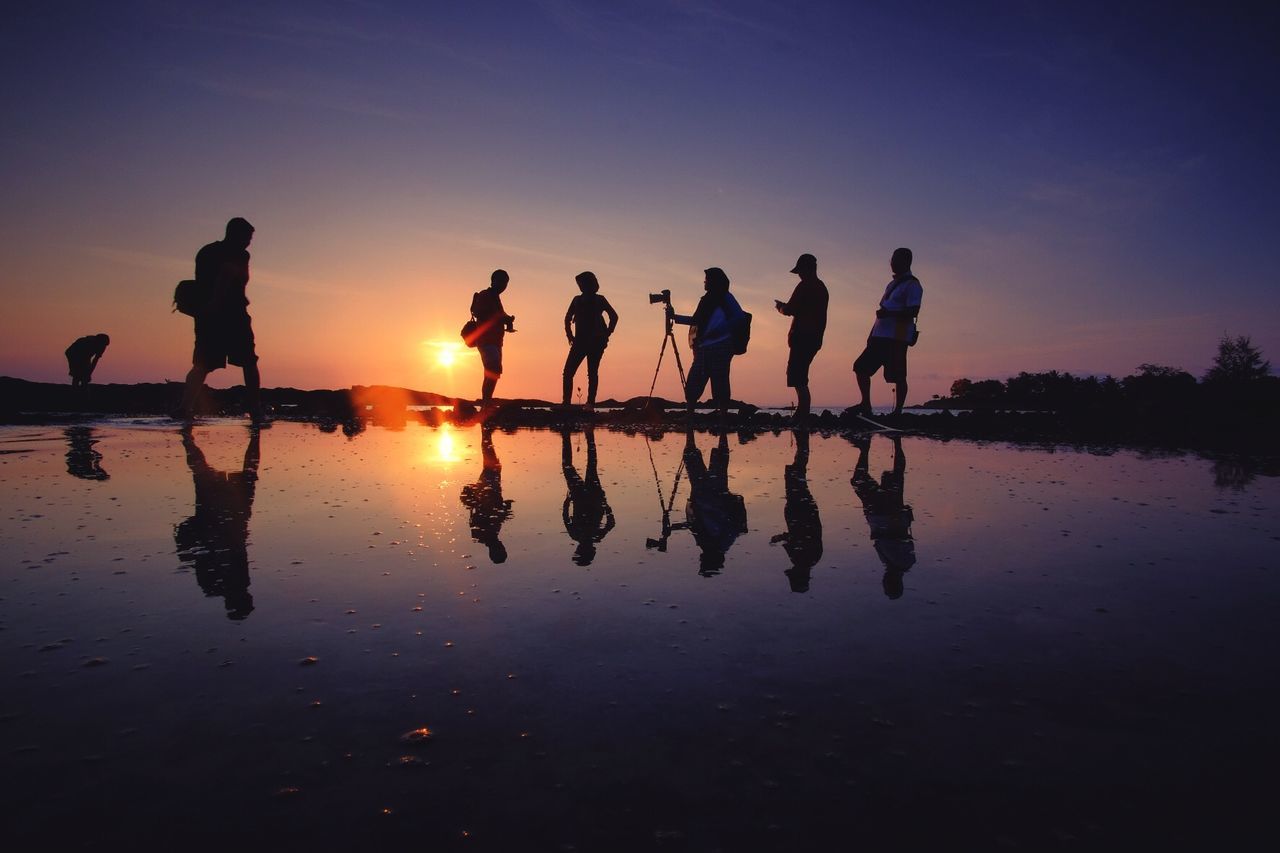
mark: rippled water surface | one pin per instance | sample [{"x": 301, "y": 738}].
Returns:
[{"x": 534, "y": 640}]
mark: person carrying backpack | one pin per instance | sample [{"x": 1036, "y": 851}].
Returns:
[
  {"x": 224, "y": 330},
  {"x": 717, "y": 335}
]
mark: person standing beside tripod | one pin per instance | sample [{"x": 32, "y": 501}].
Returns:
[{"x": 711, "y": 339}]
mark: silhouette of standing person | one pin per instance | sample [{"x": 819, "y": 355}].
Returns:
[
  {"x": 83, "y": 356},
  {"x": 893, "y": 331},
  {"x": 711, "y": 339},
  {"x": 214, "y": 541},
  {"x": 803, "y": 539},
  {"x": 586, "y": 512},
  {"x": 807, "y": 309},
  {"x": 494, "y": 322},
  {"x": 82, "y": 460},
  {"x": 588, "y": 336},
  {"x": 224, "y": 330},
  {"x": 888, "y": 516},
  {"x": 715, "y": 515},
  {"x": 484, "y": 500}
]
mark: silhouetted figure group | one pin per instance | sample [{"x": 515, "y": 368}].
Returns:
[
  {"x": 214, "y": 541},
  {"x": 83, "y": 356},
  {"x": 718, "y": 330}
]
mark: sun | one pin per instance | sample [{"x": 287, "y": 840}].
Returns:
[{"x": 444, "y": 353}]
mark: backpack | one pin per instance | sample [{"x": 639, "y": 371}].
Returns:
[
  {"x": 190, "y": 297},
  {"x": 740, "y": 330}
]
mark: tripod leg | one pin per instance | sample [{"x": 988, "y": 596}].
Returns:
[
  {"x": 661, "y": 353},
  {"x": 679, "y": 365}
]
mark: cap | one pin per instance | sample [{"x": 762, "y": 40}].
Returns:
[{"x": 805, "y": 262}]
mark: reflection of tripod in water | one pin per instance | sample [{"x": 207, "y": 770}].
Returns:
[
  {"x": 665, "y": 298},
  {"x": 666, "y": 505}
]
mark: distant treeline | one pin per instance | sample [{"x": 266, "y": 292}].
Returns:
[{"x": 1239, "y": 384}]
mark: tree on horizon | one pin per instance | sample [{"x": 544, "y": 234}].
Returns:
[{"x": 1238, "y": 360}]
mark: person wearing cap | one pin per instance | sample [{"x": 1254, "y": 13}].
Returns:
[
  {"x": 82, "y": 358},
  {"x": 711, "y": 339},
  {"x": 588, "y": 335},
  {"x": 807, "y": 309},
  {"x": 224, "y": 330},
  {"x": 893, "y": 331},
  {"x": 494, "y": 322}
]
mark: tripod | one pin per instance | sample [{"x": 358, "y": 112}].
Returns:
[{"x": 669, "y": 336}]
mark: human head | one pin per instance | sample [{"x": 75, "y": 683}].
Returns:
[
  {"x": 498, "y": 280},
  {"x": 103, "y": 340},
  {"x": 900, "y": 263},
  {"x": 715, "y": 280},
  {"x": 239, "y": 232},
  {"x": 587, "y": 282},
  {"x": 806, "y": 264}
]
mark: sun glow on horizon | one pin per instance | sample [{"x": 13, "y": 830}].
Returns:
[{"x": 444, "y": 354}]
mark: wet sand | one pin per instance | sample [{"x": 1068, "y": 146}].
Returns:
[{"x": 467, "y": 638}]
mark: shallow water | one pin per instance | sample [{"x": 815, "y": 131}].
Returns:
[{"x": 491, "y": 640}]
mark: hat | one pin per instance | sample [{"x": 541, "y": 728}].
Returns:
[
  {"x": 587, "y": 281},
  {"x": 805, "y": 263}
]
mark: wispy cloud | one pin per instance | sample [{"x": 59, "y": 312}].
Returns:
[
  {"x": 309, "y": 90},
  {"x": 178, "y": 268}
]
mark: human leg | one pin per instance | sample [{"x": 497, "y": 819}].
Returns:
[
  {"x": 571, "y": 365},
  {"x": 696, "y": 382},
  {"x": 593, "y": 374},
  {"x": 718, "y": 367}
]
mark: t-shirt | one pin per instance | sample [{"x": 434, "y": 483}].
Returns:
[
  {"x": 587, "y": 310},
  {"x": 486, "y": 307},
  {"x": 224, "y": 271},
  {"x": 86, "y": 348},
  {"x": 807, "y": 308},
  {"x": 898, "y": 296}
]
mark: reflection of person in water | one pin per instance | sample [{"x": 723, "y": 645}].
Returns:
[
  {"x": 803, "y": 539},
  {"x": 587, "y": 516},
  {"x": 214, "y": 541},
  {"x": 716, "y": 516},
  {"x": 887, "y": 516},
  {"x": 82, "y": 460},
  {"x": 484, "y": 499}
]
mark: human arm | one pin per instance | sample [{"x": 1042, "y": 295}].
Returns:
[
  {"x": 611, "y": 314},
  {"x": 568, "y": 318}
]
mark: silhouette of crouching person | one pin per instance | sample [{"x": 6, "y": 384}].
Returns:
[
  {"x": 484, "y": 500},
  {"x": 214, "y": 541},
  {"x": 83, "y": 356}
]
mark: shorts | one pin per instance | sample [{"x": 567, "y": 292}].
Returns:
[
  {"x": 224, "y": 340},
  {"x": 798, "y": 365},
  {"x": 886, "y": 353},
  {"x": 491, "y": 358}
]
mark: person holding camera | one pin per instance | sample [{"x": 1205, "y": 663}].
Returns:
[
  {"x": 493, "y": 322},
  {"x": 893, "y": 331},
  {"x": 807, "y": 309},
  {"x": 588, "y": 335},
  {"x": 711, "y": 339}
]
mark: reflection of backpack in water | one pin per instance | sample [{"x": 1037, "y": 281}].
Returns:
[{"x": 190, "y": 297}]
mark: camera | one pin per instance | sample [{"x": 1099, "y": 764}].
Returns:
[{"x": 663, "y": 296}]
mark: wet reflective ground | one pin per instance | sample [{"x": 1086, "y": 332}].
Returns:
[{"x": 471, "y": 639}]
